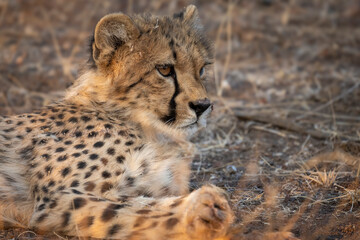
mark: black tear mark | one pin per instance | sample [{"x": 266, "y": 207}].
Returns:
[{"x": 171, "y": 117}]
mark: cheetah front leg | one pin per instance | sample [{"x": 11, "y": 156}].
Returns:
[{"x": 203, "y": 214}]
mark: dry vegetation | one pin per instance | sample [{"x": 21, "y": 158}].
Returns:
[{"x": 284, "y": 137}]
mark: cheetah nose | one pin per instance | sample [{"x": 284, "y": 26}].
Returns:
[{"x": 200, "y": 106}]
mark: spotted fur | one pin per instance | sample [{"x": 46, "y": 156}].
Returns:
[{"x": 111, "y": 160}]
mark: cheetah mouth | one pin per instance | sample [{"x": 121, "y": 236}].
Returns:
[
  {"x": 190, "y": 125},
  {"x": 196, "y": 124}
]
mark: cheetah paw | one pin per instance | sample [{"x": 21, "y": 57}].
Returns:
[{"x": 208, "y": 214}]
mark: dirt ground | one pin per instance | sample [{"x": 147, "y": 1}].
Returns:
[{"x": 284, "y": 138}]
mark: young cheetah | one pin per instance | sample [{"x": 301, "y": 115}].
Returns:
[{"x": 111, "y": 160}]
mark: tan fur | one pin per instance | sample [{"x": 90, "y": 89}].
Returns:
[{"x": 112, "y": 160}]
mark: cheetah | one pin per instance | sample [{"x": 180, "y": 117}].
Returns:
[{"x": 112, "y": 159}]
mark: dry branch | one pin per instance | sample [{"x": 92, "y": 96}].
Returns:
[{"x": 288, "y": 124}]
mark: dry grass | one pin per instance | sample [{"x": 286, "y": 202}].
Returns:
[{"x": 324, "y": 179}]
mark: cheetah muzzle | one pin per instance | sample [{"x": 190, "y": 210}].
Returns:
[{"x": 112, "y": 160}]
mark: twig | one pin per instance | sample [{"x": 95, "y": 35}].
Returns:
[
  {"x": 130, "y": 7},
  {"x": 56, "y": 234},
  {"x": 16, "y": 81},
  {"x": 5, "y": 6},
  {"x": 289, "y": 107},
  {"x": 18, "y": 237},
  {"x": 217, "y": 43},
  {"x": 289, "y": 125},
  {"x": 261, "y": 128},
  {"x": 337, "y": 98},
  {"x": 229, "y": 47}
]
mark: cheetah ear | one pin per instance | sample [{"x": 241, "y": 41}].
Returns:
[
  {"x": 111, "y": 32},
  {"x": 190, "y": 16}
]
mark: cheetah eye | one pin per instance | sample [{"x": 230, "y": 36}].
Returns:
[
  {"x": 202, "y": 71},
  {"x": 165, "y": 70}
]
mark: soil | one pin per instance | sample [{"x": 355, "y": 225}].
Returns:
[{"x": 284, "y": 138}]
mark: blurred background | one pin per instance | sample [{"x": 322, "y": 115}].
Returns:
[{"x": 284, "y": 137}]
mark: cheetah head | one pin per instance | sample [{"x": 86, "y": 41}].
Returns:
[{"x": 152, "y": 65}]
